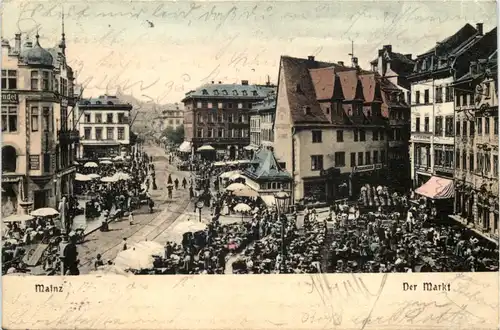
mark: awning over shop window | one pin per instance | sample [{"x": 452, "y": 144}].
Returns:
[
  {"x": 185, "y": 146},
  {"x": 437, "y": 188},
  {"x": 269, "y": 200},
  {"x": 250, "y": 147}
]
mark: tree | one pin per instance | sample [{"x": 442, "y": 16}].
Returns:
[{"x": 174, "y": 135}]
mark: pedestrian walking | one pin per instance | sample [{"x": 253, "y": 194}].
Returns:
[
  {"x": 184, "y": 183},
  {"x": 131, "y": 218},
  {"x": 124, "y": 243},
  {"x": 176, "y": 182}
]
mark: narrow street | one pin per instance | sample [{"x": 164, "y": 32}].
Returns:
[{"x": 147, "y": 226}]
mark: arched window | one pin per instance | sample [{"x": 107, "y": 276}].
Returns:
[
  {"x": 9, "y": 159},
  {"x": 205, "y": 92},
  {"x": 224, "y": 92},
  {"x": 235, "y": 92},
  {"x": 110, "y": 103},
  {"x": 98, "y": 102}
]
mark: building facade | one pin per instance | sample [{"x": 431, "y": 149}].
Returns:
[
  {"x": 432, "y": 115},
  {"x": 218, "y": 115},
  {"x": 394, "y": 69},
  {"x": 476, "y": 147},
  {"x": 261, "y": 123},
  {"x": 104, "y": 125},
  {"x": 329, "y": 128},
  {"x": 39, "y": 140},
  {"x": 172, "y": 116}
]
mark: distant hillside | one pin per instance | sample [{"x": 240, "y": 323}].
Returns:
[{"x": 143, "y": 112}]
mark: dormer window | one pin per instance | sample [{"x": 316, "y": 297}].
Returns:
[
  {"x": 235, "y": 92},
  {"x": 307, "y": 110},
  {"x": 216, "y": 92},
  {"x": 204, "y": 92},
  {"x": 255, "y": 93},
  {"x": 224, "y": 92},
  {"x": 98, "y": 102},
  {"x": 110, "y": 103},
  {"x": 245, "y": 93},
  {"x": 86, "y": 102}
]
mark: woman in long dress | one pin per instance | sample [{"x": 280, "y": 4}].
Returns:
[{"x": 225, "y": 209}]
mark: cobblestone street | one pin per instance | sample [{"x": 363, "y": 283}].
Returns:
[{"x": 147, "y": 226}]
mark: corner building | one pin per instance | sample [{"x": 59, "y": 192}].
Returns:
[
  {"x": 218, "y": 115},
  {"x": 38, "y": 135}
]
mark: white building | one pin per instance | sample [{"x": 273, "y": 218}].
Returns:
[
  {"x": 104, "y": 125},
  {"x": 432, "y": 114},
  {"x": 38, "y": 141}
]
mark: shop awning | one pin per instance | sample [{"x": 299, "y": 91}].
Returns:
[
  {"x": 185, "y": 146},
  {"x": 437, "y": 188},
  {"x": 269, "y": 200},
  {"x": 250, "y": 147}
]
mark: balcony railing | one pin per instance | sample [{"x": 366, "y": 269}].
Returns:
[{"x": 68, "y": 136}]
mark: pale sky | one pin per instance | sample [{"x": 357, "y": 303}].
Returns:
[{"x": 112, "y": 43}]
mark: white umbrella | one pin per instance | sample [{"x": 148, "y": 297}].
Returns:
[
  {"x": 133, "y": 259},
  {"x": 149, "y": 247},
  {"x": 233, "y": 162},
  {"x": 242, "y": 207},
  {"x": 108, "y": 179},
  {"x": 105, "y": 162},
  {"x": 18, "y": 218},
  {"x": 228, "y": 174},
  {"x": 104, "y": 158},
  {"x": 90, "y": 164},
  {"x": 44, "y": 212},
  {"x": 247, "y": 192},
  {"x": 219, "y": 163},
  {"x": 236, "y": 176},
  {"x": 236, "y": 186},
  {"x": 82, "y": 177},
  {"x": 94, "y": 176},
  {"x": 189, "y": 226},
  {"x": 128, "y": 157},
  {"x": 205, "y": 148},
  {"x": 121, "y": 176},
  {"x": 118, "y": 158}
]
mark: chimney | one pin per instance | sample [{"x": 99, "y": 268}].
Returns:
[
  {"x": 355, "y": 62},
  {"x": 340, "y": 63},
  {"x": 17, "y": 43},
  {"x": 388, "y": 48},
  {"x": 479, "y": 28},
  {"x": 212, "y": 82},
  {"x": 244, "y": 82},
  {"x": 220, "y": 82},
  {"x": 310, "y": 58},
  {"x": 380, "y": 52}
]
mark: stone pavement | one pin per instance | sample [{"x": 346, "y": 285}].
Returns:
[{"x": 151, "y": 227}]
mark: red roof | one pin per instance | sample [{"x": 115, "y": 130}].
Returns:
[{"x": 323, "y": 81}]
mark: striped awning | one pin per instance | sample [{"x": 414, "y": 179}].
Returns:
[{"x": 437, "y": 188}]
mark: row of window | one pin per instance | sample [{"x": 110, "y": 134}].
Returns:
[
  {"x": 443, "y": 156},
  {"x": 10, "y": 119},
  {"x": 40, "y": 80},
  {"x": 359, "y": 135},
  {"x": 221, "y": 105},
  {"x": 485, "y": 164},
  {"x": 222, "y": 118},
  {"x": 234, "y": 92},
  {"x": 110, "y": 133},
  {"x": 357, "y": 159},
  {"x": 438, "y": 125},
  {"x": 171, "y": 121},
  {"x": 222, "y": 133},
  {"x": 482, "y": 126},
  {"x": 98, "y": 118},
  {"x": 440, "y": 93}
]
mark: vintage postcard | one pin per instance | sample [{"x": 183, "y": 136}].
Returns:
[{"x": 283, "y": 165}]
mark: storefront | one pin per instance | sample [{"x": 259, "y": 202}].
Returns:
[
  {"x": 11, "y": 194},
  {"x": 99, "y": 149},
  {"x": 374, "y": 175}
]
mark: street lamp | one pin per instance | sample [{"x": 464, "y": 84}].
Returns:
[
  {"x": 199, "y": 205},
  {"x": 282, "y": 202}
]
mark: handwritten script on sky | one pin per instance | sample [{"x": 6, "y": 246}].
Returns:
[{"x": 161, "y": 50}]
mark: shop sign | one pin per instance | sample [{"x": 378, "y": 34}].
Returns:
[
  {"x": 421, "y": 137},
  {"x": 10, "y": 98},
  {"x": 364, "y": 168},
  {"x": 34, "y": 162},
  {"x": 6, "y": 178}
]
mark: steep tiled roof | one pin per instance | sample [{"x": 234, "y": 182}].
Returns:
[
  {"x": 267, "y": 104},
  {"x": 371, "y": 90},
  {"x": 323, "y": 81},
  {"x": 267, "y": 167},
  {"x": 349, "y": 82},
  {"x": 301, "y": 90},
  {"x": 452, "y": 42},
  {"x": 103, "y": 100}
]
